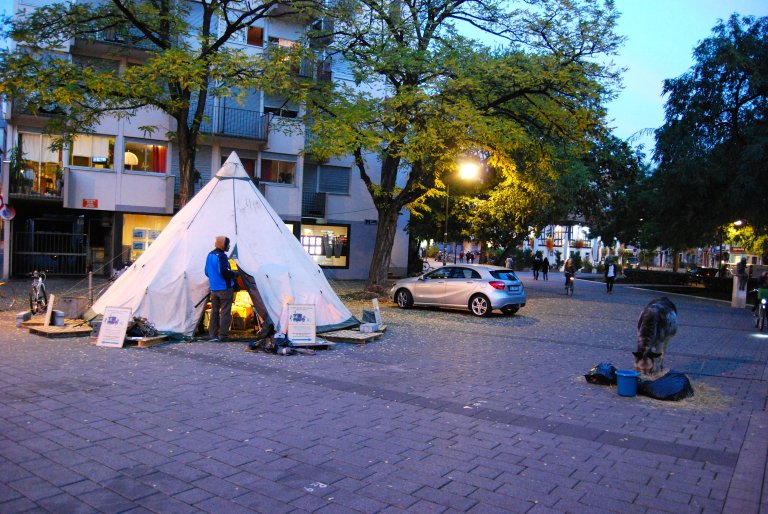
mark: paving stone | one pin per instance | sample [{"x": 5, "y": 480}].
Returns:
[{"x": 445, "y": 413}]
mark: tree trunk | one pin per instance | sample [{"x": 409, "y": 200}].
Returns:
[
  {"x": 382, "y": 249},
  {"x": 187, "y": 154}
]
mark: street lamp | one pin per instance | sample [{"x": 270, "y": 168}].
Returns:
[{"x": 467, "y": 170}]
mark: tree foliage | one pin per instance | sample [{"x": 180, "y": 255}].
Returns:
[
  {"x": 183, "y": 65},
  {"x": 425, "y": 96},
  {"x": 713, "y": 146}
]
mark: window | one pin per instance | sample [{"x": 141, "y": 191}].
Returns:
[
  {"x": 93, "y": 152},
  {"x": 41, "y": 166},
  {"x": 327, "y": 244},
  {"x": 281, "y": 172},
  {"x": 255, "y": 36},
  {"x": 334, "y": 179},
  {"x": 282, "y": 112},
  {"x": 145, "y": 157}
]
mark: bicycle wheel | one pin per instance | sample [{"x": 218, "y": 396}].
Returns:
[{"x": 7, "y": 297}]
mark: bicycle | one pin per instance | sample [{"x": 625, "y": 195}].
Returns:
[
  {"x": 38, "y": 298},
  {"x": 7, "y": 296},
  {"x": 569, "y": 284},
  {"x": 425, "y": 266}
]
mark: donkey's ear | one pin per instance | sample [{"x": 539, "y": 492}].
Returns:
[
  {"x": 654, "y": 355},
  {"x": 638, "y": 355}
]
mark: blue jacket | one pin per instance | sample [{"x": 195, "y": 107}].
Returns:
[{"x": 220, "y": 275}]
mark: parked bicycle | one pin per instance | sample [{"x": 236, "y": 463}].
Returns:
[
  {"x": 7, "y": 296},
  {"x": 38, "y": 298},
  {"x": 425, "y": 266}
]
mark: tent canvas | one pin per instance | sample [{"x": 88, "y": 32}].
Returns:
[{"x": 167, "y": 283}]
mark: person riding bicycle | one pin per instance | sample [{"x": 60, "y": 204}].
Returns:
[
  {"x": 569, "y": 271},
  {"x": 762, "y": 283}
]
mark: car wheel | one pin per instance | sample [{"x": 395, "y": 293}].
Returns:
[
  {"x": 510, "y": 310},
  {"x": 404, "y": 299},
  {"x": 480, "y": 305}
]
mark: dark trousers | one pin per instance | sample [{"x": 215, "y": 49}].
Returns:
[
  {"x": 221, "y": 313},
  {"x": 609, "y": 283}
]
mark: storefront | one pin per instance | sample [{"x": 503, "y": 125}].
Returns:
[{"x": 327, "y": 244}]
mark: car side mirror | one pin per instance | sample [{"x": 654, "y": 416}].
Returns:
[{"x": 421, "y": 278}]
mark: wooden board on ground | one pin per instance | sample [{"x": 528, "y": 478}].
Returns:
[
  {"x": 71, "y": 328},
  {"x": 351, "y": 336},
  {"x": 145, "y": 342}
]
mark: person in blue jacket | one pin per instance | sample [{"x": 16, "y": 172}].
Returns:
[{"x": 221, "y": 279}]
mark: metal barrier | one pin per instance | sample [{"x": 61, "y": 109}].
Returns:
[{"x": 55, "y": 253}]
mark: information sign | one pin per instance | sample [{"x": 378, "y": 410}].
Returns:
[
  {"x": 114, "y": 324},
  {"x": 301, "y": 324}
]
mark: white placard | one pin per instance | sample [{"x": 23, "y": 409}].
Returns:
[
  {"x": 376, "y": 310},
  {"x": 301, "y": 324},
  {"x": 114, "y": 324}
]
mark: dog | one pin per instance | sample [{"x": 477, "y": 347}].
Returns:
[{"x": 656, "y": 326}]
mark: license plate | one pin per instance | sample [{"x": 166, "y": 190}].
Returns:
[{"x": 513, "y": 288}]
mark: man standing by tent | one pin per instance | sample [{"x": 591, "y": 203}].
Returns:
[{"x": 221, "y": 279}]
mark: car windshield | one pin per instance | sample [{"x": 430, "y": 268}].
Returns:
[{"x": 503, "y": 274}]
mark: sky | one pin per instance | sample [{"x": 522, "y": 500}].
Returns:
[{"x": 661, "y": 36}]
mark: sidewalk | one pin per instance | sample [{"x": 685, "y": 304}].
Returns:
[{"x": 445, "y": 413}]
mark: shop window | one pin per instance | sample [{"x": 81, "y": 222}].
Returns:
[
  {"x": 145, "y": 157},
  {"x": 93, "y": 152},
  {"x": 281, "y": 172},
  {"x": 41, "y": 166},
  {"x": 139, "y": 232},
  {"x": 327, "y": 244}
]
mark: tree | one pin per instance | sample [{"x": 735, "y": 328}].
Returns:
[
  {"x": 609, "y": 198},
  {"x": 712, "y": 148},
  {"x": 184, "y": 65},
  {"x": 424, "y": 96}
]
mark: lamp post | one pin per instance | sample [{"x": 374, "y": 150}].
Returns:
[{"x": 467, "y": 170}]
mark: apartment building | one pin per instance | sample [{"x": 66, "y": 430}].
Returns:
[{"x": 100, "y": 202}]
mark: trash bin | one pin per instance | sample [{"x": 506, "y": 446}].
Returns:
[
  {"x": 626, "y": 382},
  {"x": 58, "y": 318}
]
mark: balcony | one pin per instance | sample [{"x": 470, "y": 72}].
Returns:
[
  {"x": 44, "y": 184},
  {"x": 129, "y": 38},
  {"x": 313, "y": 204},
  {"x": 231, "y": 122},
  {"x": 315, "y": 70}
]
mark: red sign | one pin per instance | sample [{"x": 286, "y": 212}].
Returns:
[{"x": 90, "y": 203}]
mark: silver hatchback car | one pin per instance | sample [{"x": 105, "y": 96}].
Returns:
[{"x": 479, "y": 288}]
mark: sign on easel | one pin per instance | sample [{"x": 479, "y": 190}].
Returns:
[
  {"x": 301, "y": 325},
  {"x": 49, "y": 310},
  {"x": 114, "y": 325},
  {"x": 376, "y": 310}
]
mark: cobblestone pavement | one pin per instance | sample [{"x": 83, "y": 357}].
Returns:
[{"x": 445, "y": 413}]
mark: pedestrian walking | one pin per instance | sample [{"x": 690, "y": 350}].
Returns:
[
  {"x": 545, "y": 269},
  {"x": 536, "y": 266},
  {"x": 610, "y": 275}
]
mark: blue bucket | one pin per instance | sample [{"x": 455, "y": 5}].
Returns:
[{"x": 626, "y": 382}]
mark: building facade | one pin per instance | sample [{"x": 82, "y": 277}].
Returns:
[{"x": 100, "y": 202}]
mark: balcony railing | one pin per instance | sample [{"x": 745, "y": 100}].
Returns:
[
  {"x": 124, "y": 36},
  {"x": 313, "y": 204},
  {"x": 231, "y": 122},
  {"x": 315, "y": 70}
]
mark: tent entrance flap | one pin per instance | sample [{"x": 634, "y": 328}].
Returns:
[{"x": 247, "y": 283}]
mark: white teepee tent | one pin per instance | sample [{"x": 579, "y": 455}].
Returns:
[{"x": 167, "y": 284}]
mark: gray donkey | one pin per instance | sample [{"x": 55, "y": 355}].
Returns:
[{"x": 656, "y": 326}]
